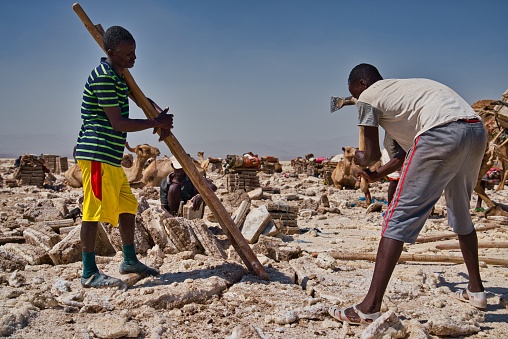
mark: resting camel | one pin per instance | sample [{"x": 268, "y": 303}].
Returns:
[
  {"x": 496, "y": 149},
  {"x": 133, "y": 168},
  {"x": 343, "y": 176},
  {"x": 73, "y": 176},
  {"x": 160, "y": 168},
  {"x": 210, "y": 164}
]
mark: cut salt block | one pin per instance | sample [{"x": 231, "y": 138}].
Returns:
[{"x": 255, "y": 222}]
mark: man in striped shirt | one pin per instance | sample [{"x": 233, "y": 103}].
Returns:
[{"x": 99, "y": 150}]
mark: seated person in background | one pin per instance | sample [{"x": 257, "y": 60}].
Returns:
[
  {"x": 17, "y": 162},
  {"x": 177, "y": 187}
]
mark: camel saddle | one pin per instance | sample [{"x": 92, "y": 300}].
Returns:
[{"x": 501, "y": 113}]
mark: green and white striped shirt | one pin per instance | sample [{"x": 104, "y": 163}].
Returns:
[{"x": 97, "y": 140}]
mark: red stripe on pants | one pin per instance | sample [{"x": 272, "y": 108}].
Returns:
[
  {"x": 400, "y": 186},
  {"x": 96, "y": 178}
]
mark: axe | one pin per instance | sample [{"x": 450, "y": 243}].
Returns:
[{"x": 337, "y": 103}]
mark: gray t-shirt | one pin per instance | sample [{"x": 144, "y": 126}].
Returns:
[
  {"x": 406, "y": 108},
  {"x": 392, "y": 147}
]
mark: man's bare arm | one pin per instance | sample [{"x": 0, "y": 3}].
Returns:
[{"x": 372, "y": 153}]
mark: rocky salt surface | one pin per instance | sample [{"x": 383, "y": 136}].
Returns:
[{"x": 204, "y": 289}]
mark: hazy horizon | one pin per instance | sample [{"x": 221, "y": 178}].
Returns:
[{"x": 282, "y": 149}]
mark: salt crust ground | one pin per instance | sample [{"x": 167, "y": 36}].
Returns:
[{"x": 198, "y": 296}]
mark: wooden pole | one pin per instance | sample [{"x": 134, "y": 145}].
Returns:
[
  {"x": 447, "y": 235},
  {"x": 364, "y": 184},
  {"x": 487, "y": 244},
  {"x": 416, "y": 257},
  {"x": 234, "y": 235}
]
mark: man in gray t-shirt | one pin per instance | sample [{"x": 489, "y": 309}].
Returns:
[{"x": 443, "y": 142}]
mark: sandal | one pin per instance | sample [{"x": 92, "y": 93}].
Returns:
[
  {"x": 100, "y": 280},
  {"x": 138, "y": 268},
  {"x": 365, "y": 319},
  {"x": 476, "y": 299}
]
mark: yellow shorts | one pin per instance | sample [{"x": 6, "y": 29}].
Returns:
[{"x": 107, "y": 192}]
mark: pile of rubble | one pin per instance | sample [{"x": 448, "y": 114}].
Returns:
[
  {"x": 242, "y": 179},
  {"x": 270, "y": 164},
  {"x": 285, "y": 217},
  {"x": 214, "y": 165},
  {"x": 327, "y": 169},
  {"x": 58, "y": 242},
  {"x": 299, "y": 165},
  {"x": 204, "y": 290},
  {"x": 35, "y": 170},
  {"x": 241, "y": 172},
  {"x": 56, "y": 164},
  {"x": 31, "y": 170},
  {"x": 314, "y": 167},
  {"x": 48, "y": 238}
]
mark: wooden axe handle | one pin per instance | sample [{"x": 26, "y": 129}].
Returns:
[
  {"x": 232, "y": 232},
  {"x": 361, "y": 139},
  {"x": 364, "y": 184}
]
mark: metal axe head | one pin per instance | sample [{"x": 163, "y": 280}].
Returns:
[{"x": 337, "y": 103}]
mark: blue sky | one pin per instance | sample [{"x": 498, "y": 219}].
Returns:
[{"x": 240, "y": 76}]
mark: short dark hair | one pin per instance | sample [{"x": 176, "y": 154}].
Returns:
[
  {"x": 114, "y": 35},
  {"x": 364, "y": 72}
]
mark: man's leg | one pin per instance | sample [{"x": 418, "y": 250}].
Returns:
[
  {"x": 126, "y": 227},
  {"x": 474, "y": 293},
  {"x": 130, "y": 263},
  {"x": 91, "y": 276},
  {"x": 388, "y": 254},
  {"x": 174, "y": 199},
  {"x": 88, "y": 233},
  {"x": 469, "y": 247}
]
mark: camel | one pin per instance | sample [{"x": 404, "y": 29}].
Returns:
[
  {"x": 204, "y": 162},
  {"x": 210, "y": 164},
  {"x": 133, "y": 168},
  {"x": 486, "y": 110},
  {"x": 127, "y": 160},
  {"x": 271, "y": 163},
  {"x": 73, "y": 174},
  {"x": 160, "y": 168},
  {"x": 497, "y": 148},
  {"x": 135, "y": 174},
  {"x": 342, "y": 176}
]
